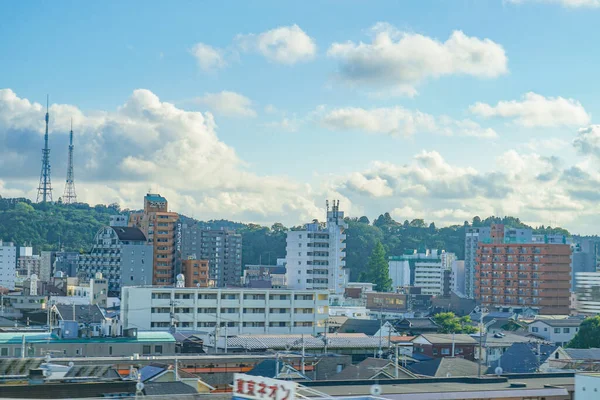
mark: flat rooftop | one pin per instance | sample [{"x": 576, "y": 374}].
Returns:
[{"x": 545, "y": 385}]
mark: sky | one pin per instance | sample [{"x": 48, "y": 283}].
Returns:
[{"x": 258, "y": 111}]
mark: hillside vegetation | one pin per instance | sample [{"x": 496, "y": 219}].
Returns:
[{"x": 44, "y": 226}]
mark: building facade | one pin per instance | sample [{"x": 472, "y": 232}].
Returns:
[
  {"x": 222, "y": 248},
  {"x": 264, "y": 276},
  {"x": 163, "y": 230},
  {"x": 588, "y": 293},
  {"x": 472, "y": 237},
  {"x": 557, "y": 331},
  {"x": 519, "y": 275},
  {"x": 122, "y": 255},
  {"x": 429, "y": 270},
  {"x": 316, "y": 256},
  {"x": 195, "y": 273},
  {"x": 237, "y": 311},
  {"x": 28, "y": 263},
  {"x": 584, "y": 259},
  {"x": 8, "y": 264}
]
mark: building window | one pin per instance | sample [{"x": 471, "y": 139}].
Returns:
[
  {"x": 146, "y": 349},
  {"x": 445, "y": 351},
  {"x": 110, "y": 350},
  {"x": 534, "y": 329},
  {"x": 4, "y": 352},
  {"x": 435, "y": 352},
  {"x": 158, "y": 349},
  {"x": 566, "y": 330},
  {"x": 556, "y": 330}
]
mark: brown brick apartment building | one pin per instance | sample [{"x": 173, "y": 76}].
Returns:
[
  {"x": 195, "y": 273},
  {"x": 524, "y": 275}
]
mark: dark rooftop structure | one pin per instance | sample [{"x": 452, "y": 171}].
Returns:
[
  {"x": 372, "y": 368},
  {"x": 522, "y": 358},
  {"x": 90, "y": 314},
  {"x": 129, "y": 234},
  {"x": 445, "y": 367},
  {"x": 416, "y": 326},
  {"x": 367, "y": 326}
]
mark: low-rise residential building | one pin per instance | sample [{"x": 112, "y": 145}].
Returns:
[
  {"x": 438, "y": 345},
  {"x": 265, "y": 276},
  {"x": 387, "y": 302},
  {"x": 370, "y": 327},
  {"x": 195, "y": 273},
  {"x": 95, "y": 290},
  {"x": 122, "y": 255},
  {"x": 235, "y": 310},
  {"x": 28, "y": 263},
  {"x": 559, "y": 331},
  {"x": 38, "y": 344}
]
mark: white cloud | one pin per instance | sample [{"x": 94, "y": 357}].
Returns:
[
  {"x": 228, "y": 103},
  {"x": 564, "y": 3},
  {"x": 398, "y": 121},
  {"x": 587, "y": 141},
  {"x": 403, "y": 60},
  {"x": 146, "y": 143},
  {"x": 376, "y": 186},
  {"x": 550, "y": 144},
  {"x": 209, "y": 58},
  {"x": 284, "y": 45},
  {"x": 536, "y": 110},
  {"x": 285, "y": 124}
]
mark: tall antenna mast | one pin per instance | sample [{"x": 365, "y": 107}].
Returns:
[
  {"x": 45, "y": 188},
  {"x": 69, "y": 196}
]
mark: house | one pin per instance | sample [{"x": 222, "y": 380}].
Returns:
[
  {"x": 276, "y": 369},
  {"x": 445, "y": 367},
  {"x": 524, "y": 358},
  {"x": 373, "y": 368},
  {"x": 416, "y": 326},
  {"x": 575, "y": 359},
  {"x": 497, "y": 343},
  {"x": 437, "y": 345},
  {"x": 559, "y": 331},
  {"x": 370, "y": 327}
]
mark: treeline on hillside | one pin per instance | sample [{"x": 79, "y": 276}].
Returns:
[{"x": 74, "y": 226}]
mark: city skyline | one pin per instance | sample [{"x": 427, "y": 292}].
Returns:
[{"x": 425, "y": 110}]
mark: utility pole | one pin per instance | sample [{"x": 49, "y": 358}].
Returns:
[
  {"x": 303, "y": 369},
  {"x": 74, "y": 317},
  {"x": 380, "y": 328},
  {"x": 480, "y": 346},
  {"x": 226, "y": 323},
  {"x": 397, "y": 360},
  {"x": 453, "y": 343}
]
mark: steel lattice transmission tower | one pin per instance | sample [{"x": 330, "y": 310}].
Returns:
[
  {"x": 69, "y": 196},
  {"x": 45, "y": 188}
]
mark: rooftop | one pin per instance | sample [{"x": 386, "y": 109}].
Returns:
[
  {"x": 445, "y": 367},
  {"x": 441, "y": 338},
  {"x": 36, "y": 337},
  {"x": 294, "y": 342},
  {"x": 555, "y": 323},
  {"x": 127, "y": 233}
]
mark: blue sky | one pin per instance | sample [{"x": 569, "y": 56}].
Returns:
[{"x": 416, "y": 120}]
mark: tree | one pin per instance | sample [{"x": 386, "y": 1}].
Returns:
[
  {"x": 364, "y": 220},
  {"x": 378, "y": 271},
  {"x": 588, "y": 335},
  {"x": 450, "y": 323}
]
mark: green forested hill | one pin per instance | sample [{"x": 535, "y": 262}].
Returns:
[{"x": 44, "y": 226}]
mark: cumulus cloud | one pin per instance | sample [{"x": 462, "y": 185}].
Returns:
[
  {"x": 208, "y": 58},
  {"x": 587, "y": 141},
  {"x": 228, "y": 103},
  {"x": 283, "y": 45},
  {"x": 403, "y": 60},
  {"x": 146, "y": 142},
  {"x": 536, "y": 110},
  {"x": 398, "y": 121},
  {"x": 564, "y": 3}
]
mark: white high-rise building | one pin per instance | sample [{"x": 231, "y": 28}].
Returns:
[
  {"x": 8, "y": 264},
  {"x": 425, "y": 269},
  {"x": 316, "y": 256}
]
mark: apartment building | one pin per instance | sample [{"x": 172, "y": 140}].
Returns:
[
  {"x": 28, "y": 263},
  {"x": 472, "y": 237},
  {"x": 588, "y": 293},
  {"x": 519, "y": 275},
  {"x": 221, "y": 247},
  {"x": 8, "y": 264},
  {"x": 429, "y": 270},
  {"x": 122, "y": 255},
  {"x": 237, "y": 311},
  {"x": 195, "y": 273},
  {"x": 163, "y": 230},
  {"x": 316, "y": 256}
]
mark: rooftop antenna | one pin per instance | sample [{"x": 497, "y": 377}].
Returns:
[
  {"x": 69, "y": 196},
  {"x": 45, "y": 187}
]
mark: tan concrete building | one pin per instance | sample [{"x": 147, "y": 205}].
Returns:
[
  {"x": 195, "y": 273},
  {"x": 163, "y": 230}
]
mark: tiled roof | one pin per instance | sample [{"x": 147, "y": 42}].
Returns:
[
  {"x": 91, "y": 314},
  {"x": 439, "y": 338},
  {"x": 555, "y": 323},
  {"x": 583, "y": 354},
  {"x": 445, "y": 367},
  {"x": 522, "y": 358},
  {"x": 45, "y": 337},
  {"x": 294, "y": 342},
  {"x": 366, "y": 326}
]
